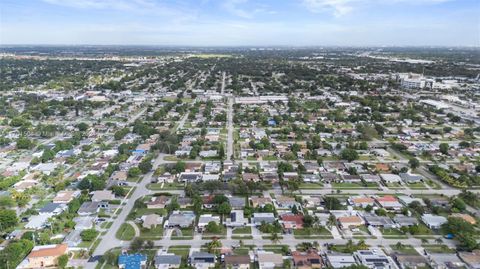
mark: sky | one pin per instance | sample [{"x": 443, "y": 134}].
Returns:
[{"x": 241, "y": 22}]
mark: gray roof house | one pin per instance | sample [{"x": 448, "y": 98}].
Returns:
[
  {"x": 237, "y": 202},
  {"x": 201, "y": 259},
  {"x": 402, "y": 220},
  {"x": 181, "y": 219},
  {"x": 52, "y": 209},
  {"x": 258, "y": 218},
  {"x": 167, "y": 260}
]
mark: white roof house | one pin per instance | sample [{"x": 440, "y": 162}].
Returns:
[{"x": 433, "y": 221}]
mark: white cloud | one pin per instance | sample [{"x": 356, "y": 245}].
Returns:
[
  {"x": 343, "y": 7},
  {"x": 233, "y": 7}
]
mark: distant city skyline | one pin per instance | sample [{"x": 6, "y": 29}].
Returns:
[{"x": 241, "y": 22}]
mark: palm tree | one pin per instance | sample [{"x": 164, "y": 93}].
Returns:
[
  {"x": 214, "y": 246},
  {"x": 332, "y": 221},
  {"x": 274, "y": 237}
]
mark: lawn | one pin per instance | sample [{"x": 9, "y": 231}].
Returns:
[
  {"x": 139, "y": 212},
  {"x": 392, "y": 233},
  {"x": 438, "y": 248},
  {"x": 187, "y": 234},
  {"x": 348, "y": 185},
  {"x": 182, "y": 251},
  {"x": 125, "y": 232},
  {"x": 310, "y": 186},
  {"x": 242, "y": 230},
  {"x": 312, "y": 233},
  {"x": 418, "y": 186},
  {"x": 404, "y": 249},
  {"x": 152, "y": 234}
]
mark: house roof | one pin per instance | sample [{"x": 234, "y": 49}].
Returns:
[
  {"x": 168, "y": 259},
  {"x": 237, "y": 259},
  {"x": 465, "y": 217},
  {"x": 350, "y": 219},
  {"x": 49, "y": 250}
]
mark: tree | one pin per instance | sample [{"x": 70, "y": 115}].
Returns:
[
  {"x": 8, "y": 219},
  {"x": 414, "y": 163},
  {"x": 82, "y": 126},
  {"x": 332, "y": 203},
  {"x": 119, "y": 191},
  {"x": 274, "y": 237},
  {"x": 134, "y": 172},
  {"x": 458, "y": 204},
  {"x": 136, "y": 244},
  {"x": 145, "y": 166},
  {"x": 214, "y": 246},
  {"x": 444, "y": 147},
  {"x": 24, "y": 143},
  {"x": 62, "y": 261},
  {"x": 224, "y": 208},
  {"x": 213, "y": 227},
  {"x": 349, "y": 154},
  {"x": 89, "y": 235}
]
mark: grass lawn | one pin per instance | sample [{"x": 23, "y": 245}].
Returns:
[
  {"x": 270, "y": 158},
  {"x": 311, "y": 186},
  {"x": 279, "y": 249},
  {"x": 152, "y": 234},
  {"x": 125, "y": 232},
  {"x": 348, "y": 185},
  {"x": 438, "y": 248},
  {"x": 404, "y": 249},
  {"x": 139, "y": 212},
  {"x": 394, "y": 185},
  {"x": 312, "y": 233},
  {"x": 106, "y": 225},
  {"x": 187, "y": 234},
  {"x": 392, "y": 233},
  {"x": 418, "y": 186},
  {"x": 221, "y": 234},
  {"x": 182, "y": 251},
  {"x": 242, "y": 230}
]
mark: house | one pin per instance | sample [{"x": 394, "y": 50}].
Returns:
[
  {"x": 208, "y": 153},
  {"x": 307, "y": 259},
  {"x": 210, "y": 177},
  {"x": 65, "y": 197},
  {"x": 286, "y": 202},
  {"x": 167, "y": 261},
  {"x": 472, "y": 259},
  {"x": 407, "y": 261},
  {"x": 190, "y": 177},
  {"x": 403, "y": 220},
  {"x": 182, "y": 219},
  {"x": 202, "y": 260},
  {"x": 158, "y": 202},
  {"x": 291, "y": 222},
  {"x": 205, "y": 219},
  {"x": 250, "y": 177},
  {"x": 132, "y": 261},
  {"x": 44, "y": 256},
  {"x": 73, "y": 239},
  {"x": 52, "y": 209},
  {"x": 433, "y": 221},
  {"x": 259, "y": 218},
  {"x": 260, "y": 201},
  {"x": 445, "y": 260},
  {"x": 378, "y": 221},
  {"x": 269, "y": 260},
  {"x": 370, "y": 177},
  {"x": 237, "y": 261},
  {"x": 102, "y": 195},
  {"x": 90, "y": 208},
  {"x": 391, "y": 178},
  {"x": 407, "y": 200},
  {"x": 119, "y": 175},
  {"x": 389, "y": 202},
  {"x": 361, "y": 201},
  {"x": 346, "y": 222},
  {"x": 411, "y": 178},
  {"x": 37, "y": 222},
  {"x": 236, "y": 202},
  {"x": 374, "y": 258},
  {"x": 339, "y": 260},
  {"x": 465, "y": 217},
  {"x": 184, "y": 202},
  {"x": 151, "y": 221},
  {"x": 83, "y": 223},
  {"x": 236, "y": 219}
]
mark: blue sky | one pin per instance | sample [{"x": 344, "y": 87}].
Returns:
[{"x": 242, "y": 22}]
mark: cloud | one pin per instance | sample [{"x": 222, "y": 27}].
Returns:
[
  {"x": 343, "y": 7},
  {"x": 233, "y": 7}
]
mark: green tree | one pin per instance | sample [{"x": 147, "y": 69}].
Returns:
[
  {"x": 89, "y": 235},
  {"x": 414, "y": 163},
  {"x": 8, "y": 219},
  {"x": 24, "y": 143},
  {"x": 349, "y": 154},
  {"x": 62, "y": 261},
  {"x": 444, "y": 147}
]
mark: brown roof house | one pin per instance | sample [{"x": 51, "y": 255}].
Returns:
[
  {"x": 237, "y": 261},
  {"x": 44, "y": 256},
  {"x": 158, "y": 202},
  {"x": 308, "y": 259},
  {"x": 151, "y": 221}
]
